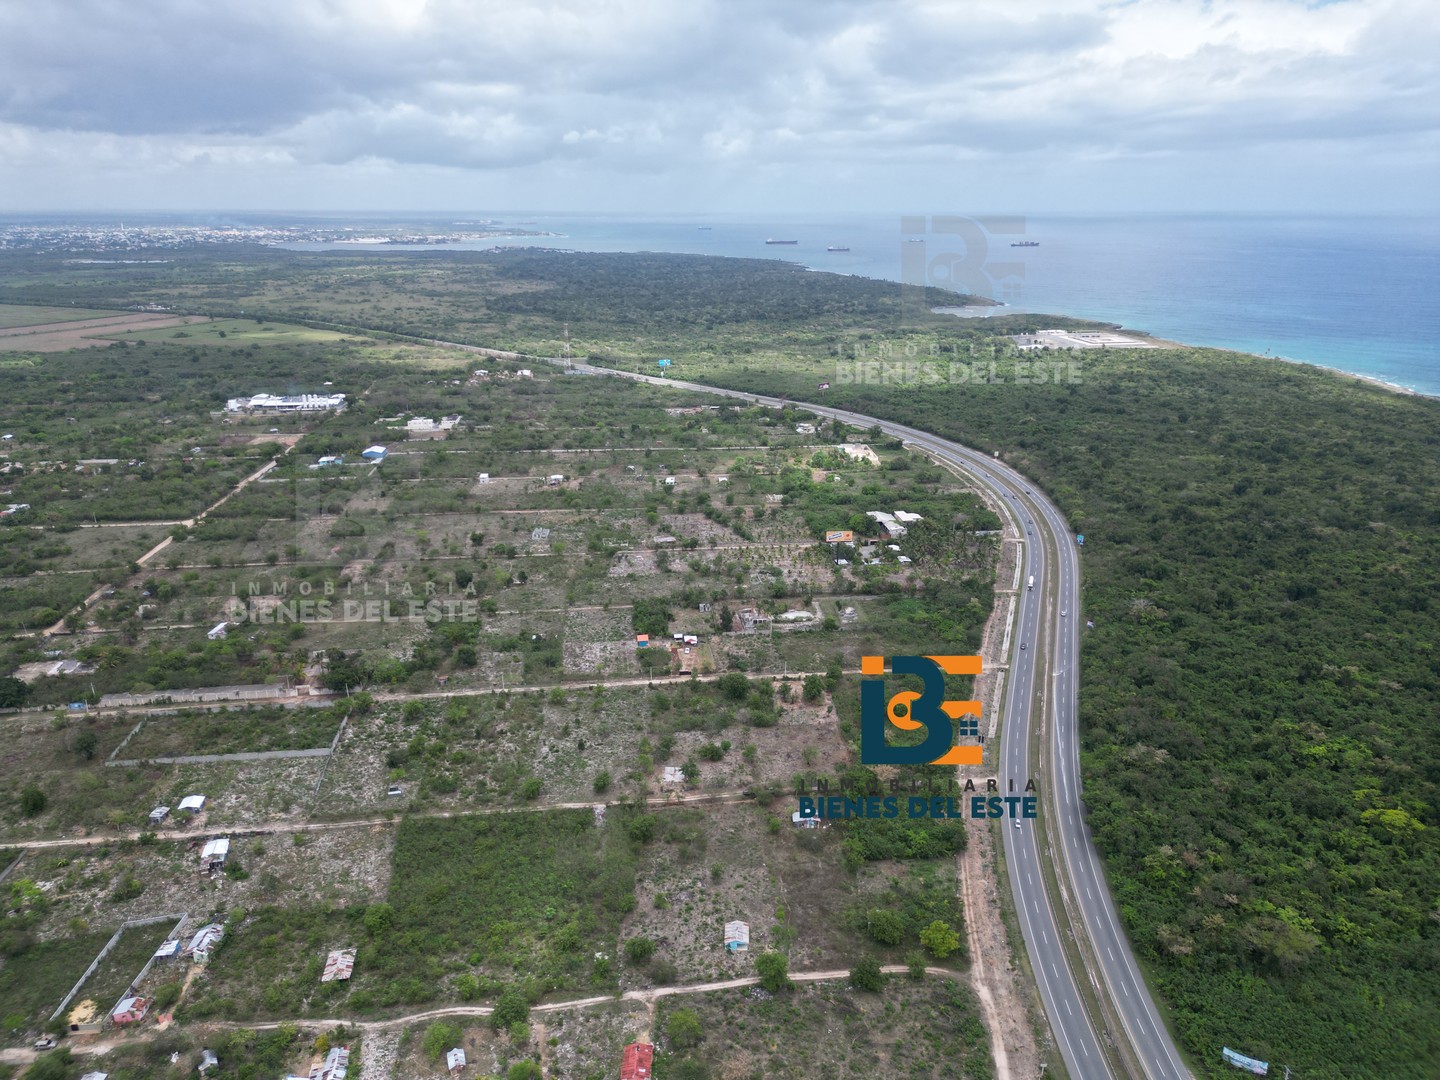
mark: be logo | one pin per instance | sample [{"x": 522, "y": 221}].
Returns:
[{"x": 910, "y": 711}]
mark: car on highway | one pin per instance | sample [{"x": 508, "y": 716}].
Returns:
[
  {"x": 1063, "y": 613},
  {"x": 1022, "y": 644},
  {"x": 1017, "y": 823}
]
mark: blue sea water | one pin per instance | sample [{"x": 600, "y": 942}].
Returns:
[
  {"x": 1357, "y": 293},
  {"x": 1354, "y": 293}
]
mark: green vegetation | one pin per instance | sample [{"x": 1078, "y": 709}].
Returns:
[
  {"x": 926, "y": 1029},
  {"x": 1260, "y": 564},
  {"x": 539, "y": 893}
]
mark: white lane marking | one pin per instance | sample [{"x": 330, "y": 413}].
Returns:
[
  {"x": 1087, "y": 893},
  {"x": 1125, "y": 988},
  {"x": 1029, "y": 878},
  {"x": 1112, "y": 955},
  {"x": 1056, "y": 970}
]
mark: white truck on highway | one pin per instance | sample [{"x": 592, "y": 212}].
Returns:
[{"x": 1031, "y": 583}]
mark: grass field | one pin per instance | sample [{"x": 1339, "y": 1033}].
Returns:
[
  {"x": 38, "y": 976},
  {"x": 32, "y": 315},
  {"x": 234, "y": 333}
]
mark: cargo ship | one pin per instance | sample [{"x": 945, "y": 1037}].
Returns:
[
  {"x": 789, "y": 242},
  {"x": 837, "y": 249},
  {"x": 1026, "y": 243}
]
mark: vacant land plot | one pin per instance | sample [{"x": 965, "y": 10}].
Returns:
[
  {"x": 119, "y": 968},
  {"x": 233, "y": 732},
  {"x": 20, "y": 315},
  {"x": 37, "y": 975},
  {"x": 583, "y": 1044},
  {"x": 233, "y": 333},
  {"x": 539, "y": 893},
  {"x": 920, "y": 1029},
  {"x": 86, "y": 333},
  {"x": 108, "y": 884}
]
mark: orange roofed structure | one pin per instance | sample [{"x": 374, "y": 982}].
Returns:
[{"x": 635, "y": 1065}]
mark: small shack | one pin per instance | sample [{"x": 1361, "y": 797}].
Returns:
[
  {"x": 737, "y": 936},
  {"x": 636, "y": 1061},
  {"x": 214, "y": 854},
  {"x": 218, "y": 632},
  {"x": 192, "y": 804},
  {"x": 337, "y": 1061},
  {"x": 374, "y": 453},
  {"x": 204, "y": 942},
  {"x": 168, "y": 951},
  {"x": 454, "y": 1060},
  {"x": 130, "y": 1010},
  {"x": 159, "y": 814},
  {"x": 208, "y": 1061}
]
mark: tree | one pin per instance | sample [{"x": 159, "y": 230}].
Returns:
[
  {"x": 690, "y": 770},
  {"x": 524, "y": 1070},
  {"x": 885, "y": 926},
  {"x": 774, "y": 971},
  {"x": 13, "y": 692},
  {"x": 734, "y": 685},
  {"x": 814, "y": 688},
  {"x": 638, "y": 950},
  {"x": 85, "y": 744},
  {"x": 940, "y": 939},
  {"x": 512, "y": 1008},
  {"x": 683, "y": 1029},
  {"x": 32, "y": 801},
  {"x": 866, "y": 975},
  {"x": 439, "y": 1037},
  {"x": 602, "y": 783},
  {"x": 530, "y": 789}
]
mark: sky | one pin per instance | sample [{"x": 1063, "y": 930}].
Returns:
[{"x": 726, "y": 107}]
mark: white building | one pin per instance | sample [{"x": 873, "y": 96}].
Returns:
[{"x": 295, "y": 403}]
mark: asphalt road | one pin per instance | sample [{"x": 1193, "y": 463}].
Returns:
[{"x": 1051, "y": 556}]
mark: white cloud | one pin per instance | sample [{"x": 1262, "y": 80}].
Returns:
[{"x": 670, "y": 90}]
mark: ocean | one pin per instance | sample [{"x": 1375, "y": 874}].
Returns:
[{"x": 1354, "y": 293}]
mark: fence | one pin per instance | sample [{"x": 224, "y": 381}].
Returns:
[{"x": 114, "y": 939}]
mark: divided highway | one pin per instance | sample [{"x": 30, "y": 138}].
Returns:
[{"x": 1047, "y": 619}]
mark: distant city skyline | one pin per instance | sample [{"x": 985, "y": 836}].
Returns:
[{"x": 1055, "y": 106}]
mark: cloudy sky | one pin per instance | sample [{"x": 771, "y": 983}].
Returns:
[{"x": 725, "y": 106}]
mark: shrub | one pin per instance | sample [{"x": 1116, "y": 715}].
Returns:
[
  {"x": 32, "y": 802},
  {"x": 940, "y": 939},
  {"x": 866, "y": 975},
  {"x": 439, "y": 1037},
  {"x": 512, "y": 1008},
  {"x": 639, "y": 950},
  {"x": 683, "y": 1029},
  {"x": 602, "y": 783},
  {"x": 774, "y": 971}
]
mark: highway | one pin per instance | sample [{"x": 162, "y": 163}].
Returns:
[{"x": 1051, "y": 655}]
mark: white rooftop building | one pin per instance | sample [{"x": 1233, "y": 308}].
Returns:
[{"x": 294, "y": 403}]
